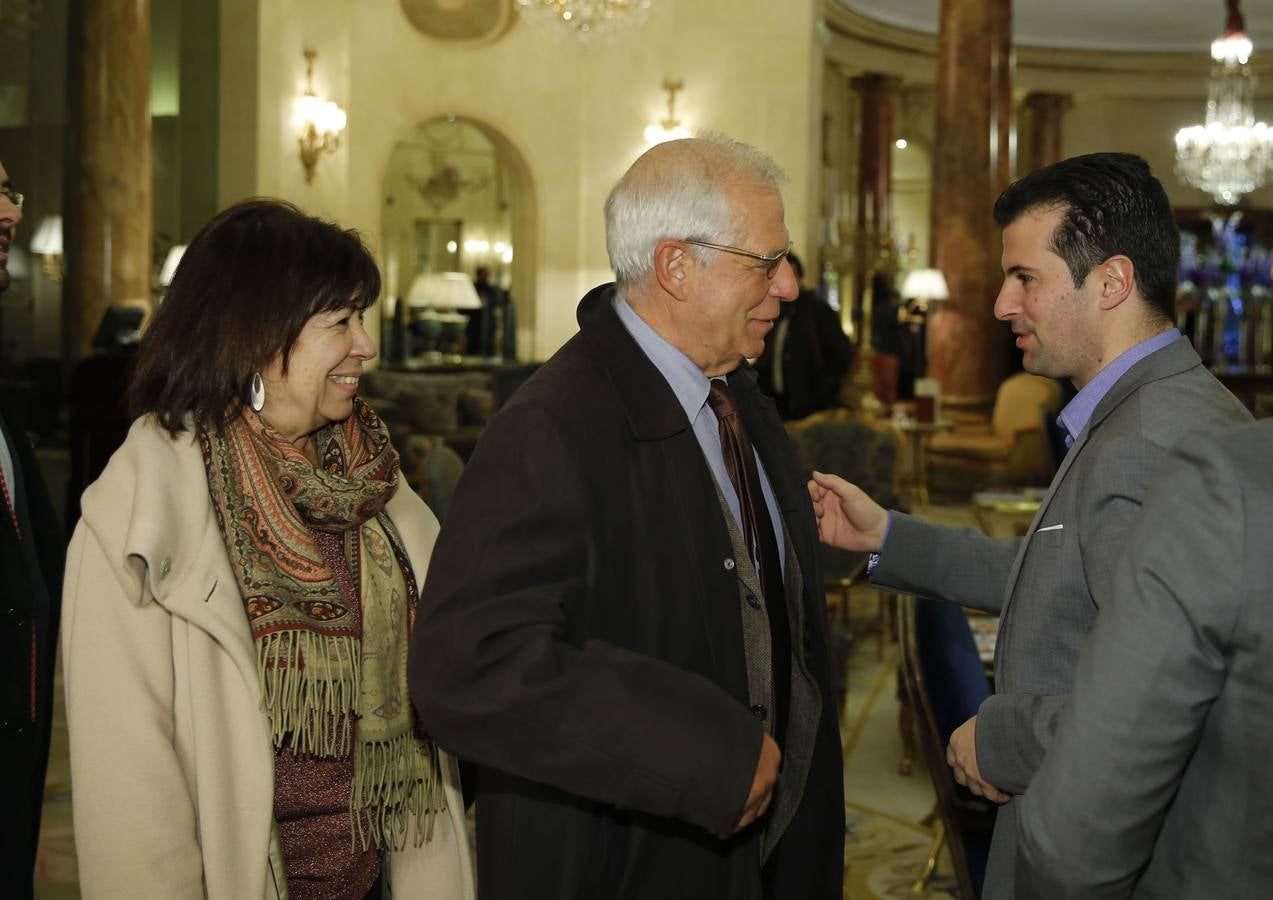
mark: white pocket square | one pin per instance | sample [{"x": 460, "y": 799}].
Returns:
[{"x": 1049, "y": 528}]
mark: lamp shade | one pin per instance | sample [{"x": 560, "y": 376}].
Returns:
[
  {"x": 443, "y": 290},
  {"x": 170, "y": 264},
  {"x": 48, "y": 237},
  {"x": 925, "y": 284}
]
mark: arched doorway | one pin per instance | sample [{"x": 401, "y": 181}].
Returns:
[{"x": 457, "y": 198}]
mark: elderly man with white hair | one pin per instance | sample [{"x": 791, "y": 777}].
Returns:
[{"x": 624, "y": 622}]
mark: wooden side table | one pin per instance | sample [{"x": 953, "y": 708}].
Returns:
[{"x": 1017, "y": 508}]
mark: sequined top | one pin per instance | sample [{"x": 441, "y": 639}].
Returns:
[{"x": 311, "y": 799}]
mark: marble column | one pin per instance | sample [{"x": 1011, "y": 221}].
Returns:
[
  {"x": 1003, "y": 144},
  {"x": 1045, "y": 112},
  {"x": 966, "y": 348},
  {"x": 874, "y": 221},
  {"x": 111, "y": 215}
]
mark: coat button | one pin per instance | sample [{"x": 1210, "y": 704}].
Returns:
[
  {"x": 165, "y": 567},
  {"x": 729, "y": 564},
  {"x": 753, "y": 601},
  {"x": 759, "y": 712}
]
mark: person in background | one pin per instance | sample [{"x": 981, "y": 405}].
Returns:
[
  {"x": 1157, "y": 783},
  {"x": 624, "y": 625},
  {"x": 1090, "y": 255},
  {"x": 477, "y": 332},
  {"x": 807, "y": 356},
  {"x": 32, "y": 549},
  {"x": 240, "y": 591},
  {"x": 485, "y": 334}
]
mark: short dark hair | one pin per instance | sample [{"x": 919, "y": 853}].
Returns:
[
  {"x": 243, "y": 291},
  {"x": 1113, "y": 206}
]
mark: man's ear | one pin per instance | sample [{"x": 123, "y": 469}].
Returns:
[
  {"x": 1117, "y": 278},
  {"x": 673, "y": 268}
]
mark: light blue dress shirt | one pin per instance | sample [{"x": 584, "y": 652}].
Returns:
[
  {"x": 691, "y": 387},
  {"x": 1078, "y": 412}
]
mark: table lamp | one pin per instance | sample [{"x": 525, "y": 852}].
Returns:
[{"x": 440, "y": 296}]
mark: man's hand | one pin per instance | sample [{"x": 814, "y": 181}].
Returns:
[
  {"x": 847, "y": 517},
  {"x": 762, "y": 786},
  {"x": 961, "y": 756}
]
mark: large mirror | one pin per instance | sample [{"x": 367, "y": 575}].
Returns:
[{"x": 453, "y": 203}]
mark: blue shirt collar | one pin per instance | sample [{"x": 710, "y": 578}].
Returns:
[
  {"x": 686, "y": 379},
  {"x": 1078, "y": 412}
]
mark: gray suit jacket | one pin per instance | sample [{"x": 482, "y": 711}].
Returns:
[
  {"x": 1048, "y": 585},
  {"x": 1158, "y": 782}
]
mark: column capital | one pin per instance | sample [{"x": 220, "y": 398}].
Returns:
[
  {"x": 873, "y": 82},
  {"x": 1046, "y": 101}
]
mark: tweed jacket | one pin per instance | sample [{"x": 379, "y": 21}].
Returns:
[
  {"x": 1048, "y": 585},
  {"x": 1158, "y": 781},
  {"x": 581, "y": 640},
  {"x": 171, "y": 760}
]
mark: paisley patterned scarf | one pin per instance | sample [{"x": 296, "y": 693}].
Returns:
[{"x": 325, "y": 660}]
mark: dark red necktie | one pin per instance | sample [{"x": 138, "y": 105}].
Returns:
[
  {"x": 740, "y": 464},
  {"x": 8, "y": 501}
]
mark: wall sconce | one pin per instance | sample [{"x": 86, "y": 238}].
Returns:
[
  {"x": 669, "y": 129},
  {"x": 47, "y": 242},
  {"x": 320, "y": 122}
]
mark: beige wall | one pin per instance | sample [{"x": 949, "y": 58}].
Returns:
[
  {"x": 575, "y": 115},
  {"x": 1146, "y": 126}
]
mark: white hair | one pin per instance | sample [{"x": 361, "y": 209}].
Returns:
[{"x": 679, "y": 190}]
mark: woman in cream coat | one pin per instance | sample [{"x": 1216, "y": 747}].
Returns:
[{"x": 178, "y": 644}]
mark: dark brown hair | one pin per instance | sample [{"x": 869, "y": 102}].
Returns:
[
  {"x": 1113, "y": 205},
  {"x": 245, "y": 288}
]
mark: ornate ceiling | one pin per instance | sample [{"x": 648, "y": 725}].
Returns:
[{"x": 1139, "y": 25}]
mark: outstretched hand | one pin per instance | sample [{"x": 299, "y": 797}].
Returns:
[{"x": 847, "y": 517}]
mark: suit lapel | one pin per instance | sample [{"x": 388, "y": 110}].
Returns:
[
  {"x": 1178, "y": 356},
  {"x": 658, "y": 420}
]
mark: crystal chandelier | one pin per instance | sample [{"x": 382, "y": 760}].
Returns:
[
  {"x": 1232, "y": 154},
  {"x": 585, "y": 18}
]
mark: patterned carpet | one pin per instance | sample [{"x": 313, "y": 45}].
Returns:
[
  {"x": 886, "y": 842},
  {"x": 883, "y": 856}
]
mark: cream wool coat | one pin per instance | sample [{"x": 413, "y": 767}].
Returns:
[{"x": 171, "y": 763}]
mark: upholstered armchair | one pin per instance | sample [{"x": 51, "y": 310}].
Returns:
[{"x": 1013, "y": 447}]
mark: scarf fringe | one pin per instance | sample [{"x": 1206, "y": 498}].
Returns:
[
  {"x": 308, "y": 696},
  {"x": 395, "y": 782}
]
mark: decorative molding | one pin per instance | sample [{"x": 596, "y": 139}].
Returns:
[
  {"x": 845, "y": 23},
  {"x": 466, "y": 22}
]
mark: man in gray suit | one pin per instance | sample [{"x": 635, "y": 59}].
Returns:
[
  {"x": 1158, "y": 783},
  {"x": 1090, "y": 253}
]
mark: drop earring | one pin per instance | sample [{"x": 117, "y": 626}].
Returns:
[{"x": 257, "y": 395}]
